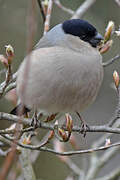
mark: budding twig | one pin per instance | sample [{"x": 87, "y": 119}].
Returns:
[
  {"x": 7, "y": 62},
  {"x": 7, "y": 80},
  {"x": 67, "y": 153},
  {"x": 48, "y": 16}
]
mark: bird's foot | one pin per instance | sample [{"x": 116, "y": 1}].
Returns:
[
  {"x": 84, "y": 126},
  {"x": 35, "y": 122}
]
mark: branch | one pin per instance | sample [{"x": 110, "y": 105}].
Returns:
[
  {"x": 67, "y": 160},
  {"x": 7, "y": 80},
  {"x": 69, "y": 11},
  {"x": 112, "y": 175},
  {"x": 117, "y": 110},
  {"x": 102, "y": 139},
  {"x": 48, "y": 16},
  {"x": 10, "y": 87},
  {"x": 99, "y": 162},
  {"x": 9, "y": 131},
  {"x": 83, "y": 8},
  {"x": 26, "y": 163},
  {"x": 25, "y": 121},
  {"x": 67, "y": 153},
  {"x": 111, "y": 60},
  {"x": 73, "y": 167},
  {"x": 118, "y": 2},
  {"x": 41, "y": 10},
  {"x": 5, "y": 88},
  {"x": 114, "y": 122}
]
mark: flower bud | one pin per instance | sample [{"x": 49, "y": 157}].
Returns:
[
  {"x": 9, "y": 53},
  {"x": 45, "y": 5},
  {"x": 50, "y": 118},
  {"x": 45, "y": 2},
  {"x": 109, "y": 31},
  {"x": 116, "y": 78},
  {"x": 106, "y": 46},
  {"x": 63, "y": 134},
  {"x": 27, "y": 140},
  {"x": 69, "y": 122}
]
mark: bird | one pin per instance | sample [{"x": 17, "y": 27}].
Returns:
[{"x": 64, "y": 71}]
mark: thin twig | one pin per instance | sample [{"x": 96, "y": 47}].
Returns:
[
  {"x": 4, "y": 86},
  {"x": 117, "y": 110},
  {"x": 48, "y": 16},
  {"x": 67, "y": 160},
  {"x": 111, "y": 60},
  {"x": 102, "y": 160},
  {"x": 99, "y": 162},
  {"x": 67, "y": 153},
  {"x": 41, "y": 10},
  {"x": 10, "y": 87},
  {"x": 72, "y": 166},
  {"x": 83, "y": 8},
  {"x": 112, "y": 175},
  {"x": 103, "y": 138},
  {"x": 8, "y": 131},
  {"x": 69, "y": 11},
  {"x": 114, "y": 122},
  {"x": 118, "y": 2},
  {"x": 7, "y": 80}
]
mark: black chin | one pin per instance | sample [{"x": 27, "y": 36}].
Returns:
[{"x": 94, "y": 42}]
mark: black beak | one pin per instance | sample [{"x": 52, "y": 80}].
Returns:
[
  {"x": 99, "y": 37},
  {"x": 95, "y": 41}
]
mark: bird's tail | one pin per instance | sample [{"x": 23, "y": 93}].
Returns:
[{"x": 20, "y": 108}]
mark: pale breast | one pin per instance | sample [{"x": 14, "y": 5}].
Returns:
[{"x": 60, "y": 79}]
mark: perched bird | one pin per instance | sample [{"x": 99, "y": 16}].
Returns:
[{"x": 64, "y": 72}]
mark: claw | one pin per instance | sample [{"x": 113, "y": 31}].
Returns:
[
  {"x": 35, "y": 122},
  {"x": 84, "y": 125}
]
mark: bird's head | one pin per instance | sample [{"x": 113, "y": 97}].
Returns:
[
  {"x": 82, "y": 29},
  {"x": 74, "y": 28}
]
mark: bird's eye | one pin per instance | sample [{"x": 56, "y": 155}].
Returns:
[{"x": 83, "y": 36}]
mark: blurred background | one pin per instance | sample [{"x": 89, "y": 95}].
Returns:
[{"x": 13, "y": 30}]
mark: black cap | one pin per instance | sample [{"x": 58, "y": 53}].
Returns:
[{"x": 81, "y": 28}]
